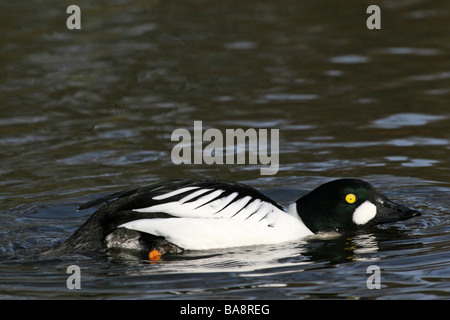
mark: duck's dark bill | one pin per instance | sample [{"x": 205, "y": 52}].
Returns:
[{"x": 388, "y": 211}]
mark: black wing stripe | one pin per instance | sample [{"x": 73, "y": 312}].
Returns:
[
  {"x": 208, "y": 201},
  {"x": 256, "y": 210},
  {"x": 175, "y": 193},
  {"x": 199, "y": 196},
  {"x": 232, "y": 199},
  {"x": 212, "y": 200},
  {"x": 243, "y": 207},
  {"x": 237, "y": 198}
]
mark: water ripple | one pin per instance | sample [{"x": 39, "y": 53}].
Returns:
[{"x": 399, "y": 120}]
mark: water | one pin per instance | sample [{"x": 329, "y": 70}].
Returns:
[{"x": 91, "y": 111}]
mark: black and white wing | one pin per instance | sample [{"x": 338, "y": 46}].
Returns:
[
  {"x": 213, "y": 200},
  {"x": 205, "y": 214}
]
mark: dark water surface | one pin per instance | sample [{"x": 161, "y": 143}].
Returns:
[{"x": 91, "y": 111}]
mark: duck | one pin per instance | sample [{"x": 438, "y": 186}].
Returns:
[{"x": 171, "y": 216}]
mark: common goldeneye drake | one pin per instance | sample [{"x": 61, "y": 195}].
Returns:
[{"x": 176, "y": 215}]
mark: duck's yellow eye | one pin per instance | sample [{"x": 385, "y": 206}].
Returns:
[{"x": 350, "y": 198}]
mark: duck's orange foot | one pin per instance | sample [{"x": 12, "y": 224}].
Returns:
[{"x": 154, "y": 255}]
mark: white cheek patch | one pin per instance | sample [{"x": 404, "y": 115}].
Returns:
[{"x": 364, "y": 213}]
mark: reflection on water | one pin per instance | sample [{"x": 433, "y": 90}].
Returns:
[
  {"x": 363, "y": 244},
  {"x": 396, "y": 121},
  {"x": 91, "y": 111}
]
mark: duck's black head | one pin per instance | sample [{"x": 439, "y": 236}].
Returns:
[{"x": 343, "y": 204}]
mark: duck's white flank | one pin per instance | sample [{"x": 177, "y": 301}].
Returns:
[{"x": 204, "y": 234}]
